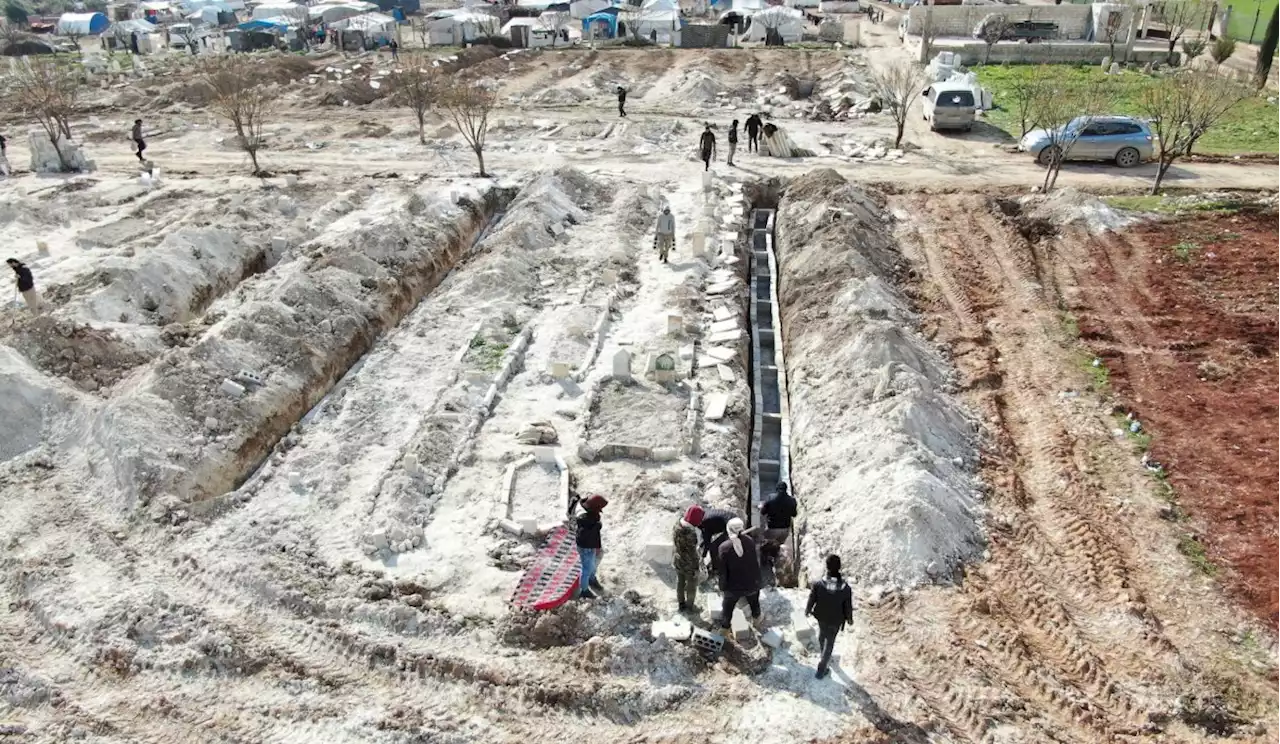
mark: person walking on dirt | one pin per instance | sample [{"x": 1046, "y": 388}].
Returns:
[
  {"x": 587, "y": 537},
  {"x": 395, "y": 50},
  {"x": 739, "y": 574},
  {"x": 831, "y": 604},
  {"x": 753, "y": 126},
  {"x": 684, "y": 538},
  {"x": 136, "y": 134},
  {"x": 4, "y": 157},
  {"x": 622, "y": 101},
  {"x": 664, "y": 237},
  {"x": 778, "y": 513},
  {"x": 733, "y": 140},
  {"x": 707, "y": 144},
  {"x": 27, "y": 286}
]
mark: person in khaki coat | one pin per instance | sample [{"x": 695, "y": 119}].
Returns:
[{"x": 664, "y": 236}]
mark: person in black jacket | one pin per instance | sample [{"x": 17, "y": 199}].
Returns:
[
  {"x": 778, "y": 513},
  {"x": 739, "y": 573},
  {"x": 831, "y": 604},
  {"x": 713, "y": 524},
  {"x": 587, "y": 530},
  {"x": 733, "y": 141},
  {"x": 753, "y": 125},
  {"x": 26, "y": 285},
  {"x": 622, "y": 101}
]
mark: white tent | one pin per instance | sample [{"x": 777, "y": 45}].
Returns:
[
  {"x": 788, "y": 22},
  {"x": 293, "y": 11},
  {"x": 457, "y": 27},
  {"x": 539, "y": 33},
  {"x": 658, "y": 19},
  {"x": 333, "y": 12},
  {"x": 208, "y": 12},
  {"x": 373, "y": 25},
  {"x": 580, "y": 9}
]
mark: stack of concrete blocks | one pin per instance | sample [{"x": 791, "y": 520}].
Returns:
[{"x": 44, "y": 157}]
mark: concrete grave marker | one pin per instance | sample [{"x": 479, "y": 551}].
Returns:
[
  {"x": 726, "y": 373},
  {"x": 721, "y": 314},
  {"x": 559, "y": 370},
  {"x": 664, "y": 368},
  {"x": 716, "y": 405},
  {"x": 699, "y": 243},
  {"x": 675, "y": 323},
  {"x": 622, "y": 365}
]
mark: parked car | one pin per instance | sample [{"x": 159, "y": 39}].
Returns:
[
  {"x": 949, "y": 106},
  {"x": 1122, "y": 139}
]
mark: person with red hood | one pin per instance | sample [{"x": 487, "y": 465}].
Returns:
[{"x": 587, "y": 531}]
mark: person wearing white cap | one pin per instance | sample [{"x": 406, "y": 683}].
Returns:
[{"x": 739, "y": 573}]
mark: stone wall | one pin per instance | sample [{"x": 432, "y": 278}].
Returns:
[
  {"x": 1074, "y": 21},
  {"x": 973, "y": 52}
]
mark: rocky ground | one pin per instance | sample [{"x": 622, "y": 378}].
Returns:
[{"x": 314, "y": 551}]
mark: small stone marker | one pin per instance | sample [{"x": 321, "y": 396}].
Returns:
[
  {"x": 410, "y": 464},
  {"x": 559, "y": 370},
  {"x": 726, "y": 373},
  {"x": 379, "y": 539},
  {"x": 716, "y": 405},
  {"x": 664, "y": 368},
  {"x": 706, "y": 180},
  {"x": 622, "y": 365},
  {"x": 675, "y": 323},
  {"x": 295, "y": 479}
]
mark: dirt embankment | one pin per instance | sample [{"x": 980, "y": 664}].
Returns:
[{"x": 1183, "y": 313}]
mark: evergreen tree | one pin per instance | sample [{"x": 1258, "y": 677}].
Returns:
[{"x": 1267, "y": 51}]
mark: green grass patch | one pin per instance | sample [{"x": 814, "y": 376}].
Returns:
[
  {"x": 1070, "y": 325},
  {"x": 1185, "y": 250},
  {"x": 1189, "y": 546},
  {"x": 1099, "y": 375},
  {"x": 1164, "y": 204},
  {"x": 486, "y": 354},
  {"x": 1250, "y": 127}
]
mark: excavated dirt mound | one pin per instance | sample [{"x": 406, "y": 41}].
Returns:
[
  {"x": 880, "y": 451},
  {"x": 1183, "y": 314}
]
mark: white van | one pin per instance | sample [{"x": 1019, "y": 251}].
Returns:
[{"x": 949, "y": 106}]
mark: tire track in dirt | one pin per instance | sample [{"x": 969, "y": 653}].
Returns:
[{"x": 1039, "y": 610}]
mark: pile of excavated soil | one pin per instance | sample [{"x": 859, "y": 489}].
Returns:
[{"x": 882, "y": 455}]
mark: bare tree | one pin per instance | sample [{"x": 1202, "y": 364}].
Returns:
[
  {"x": 555, "y": 21},
  {"x": 422, "y": 31},
  {"x": 49, "y": 93},
  {"x": 1178, "y": 17},
  {"x": 897, "y": 87},
  {"x": 417, "y": 86},
  {"x": 74, "y": 38},
  {"x": 1024, "y": 91},
  {"x": 1064, "y": 111},
  {"x": 629, "y": 21},
  {"x": 993, "y": 29},
  {"x": 1193, "y": 48},
  {"x": 1111, "y": 31},
  {"x": 236, "y": 97},
  {"x": 468, "y": 105},
  {"x": 1182, "y": 108}
]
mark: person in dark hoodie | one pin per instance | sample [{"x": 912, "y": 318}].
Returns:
[
  {"x": 739, "y": 573},
  {"x": 778, "y": 513},
  {"x": 831, "y": 604},
  {"x": 26, "y": 285},
  {"x": 713, "y": 524},
  {"x": 753, "y": 125},
  {"x": 622, "y": 102},
  {"x": 587, "y": 531}
]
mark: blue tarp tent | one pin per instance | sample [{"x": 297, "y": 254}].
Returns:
[
  {"x": 606, "y": 19},
  {"x": 268, "y": 25}
]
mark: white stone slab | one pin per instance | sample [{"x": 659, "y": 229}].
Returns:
[
  {"x": 723, "y": 288},
  {"x": 727, "y": 337},
  {"x": 231, "y": 388},
  {"x": 659, "y": 552},
  {"x": 716, "y": 405},
  {"x": 726, "y": 373},
  {"x": 771, "y": 638},
  {"x": 720, "y": 326},
  {"x": 721, "y": 314},
  {"x": 674, "y": 630},
  {"x": 720, "y": 354}
]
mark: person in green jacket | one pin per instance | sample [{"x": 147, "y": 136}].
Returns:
[{"x": 684, "y": 537}]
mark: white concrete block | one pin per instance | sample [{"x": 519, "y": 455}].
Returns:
[
  {"x": 608, "y": 276},
  {"x": 379, "y": 539},
  {"x": 675, "y": 323},
  {"x": 659, "y": 552},
  {"x": 803, "y": 630},
  {"x": 722, "y": 288},
  {"x": 716, "y": 405},
  {"x": 720, "y": 354},
  {"x": 739, "y": 626},
  {"x": 722, "y": 326},
  {"x": 279, "y": 243},
  {"x": 295, "y": 479},
  {"x": 290, "y": 181},
  {"x": 665, "y": 454},
  {"x": 672, "y": 630},
  {"x": 714, "y": 603},
  {"x": 529, "y": 526},
  {"x": 726, "y": 373},
  {"x": 699, "y": 243},
  {"x": 559, "y": 370},
  {"x": 721, "y": 314},
  {"x": 545, "y": 455},
  {"x": 511, "y": 526},
  {"x": 706, "y": 180},
  {"x": 673, "y": 475},
  {"x": 771, "y": 638},
  {"x": 397, "y": 534},
  {"x": 231, "y": 388},
  {"x": 410, "y": 464}
]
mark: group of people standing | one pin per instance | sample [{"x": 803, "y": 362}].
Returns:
[
  {"x": 754, "y": 127},
  {"x": 717, "y": 541}
]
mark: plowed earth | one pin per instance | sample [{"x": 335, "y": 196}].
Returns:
[{"x": 1184, "y": 315}]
